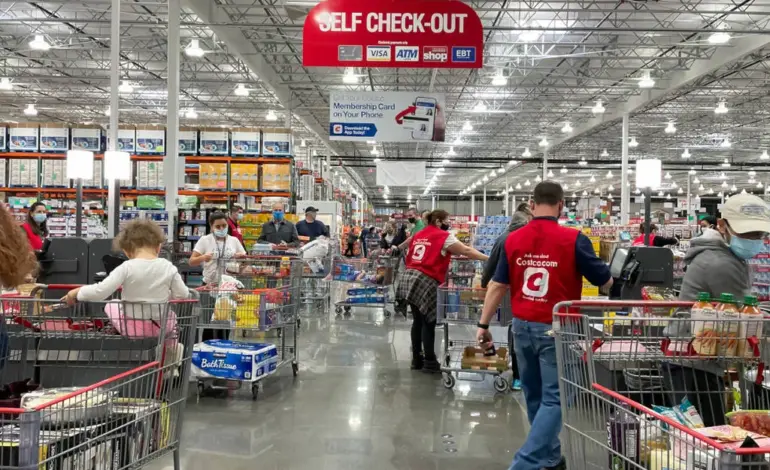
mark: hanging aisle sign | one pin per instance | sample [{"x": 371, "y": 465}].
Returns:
[{"x": 393, "y": 33}]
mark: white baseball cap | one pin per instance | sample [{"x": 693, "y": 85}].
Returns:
[{"x": 747, "y": 213}]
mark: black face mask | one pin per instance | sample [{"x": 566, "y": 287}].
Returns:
[
  {"x": 411, "y": 220},
  {"x": 445, "y": 227}
]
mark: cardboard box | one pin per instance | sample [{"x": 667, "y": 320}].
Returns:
[
  {"x": 474, "y": 358},
  {"x": 54, "y": 137},
  {"x": 3, "y": 172},
  {"x": 150, "y": 140},
  {"x": 213, "y": 176},
  {"x": 213, "y": 141},
  {"x": 277, "y": 142},
  {"x": 244, "y": 176},
  {"x": 245, "y": 141},
  {"x": 126, "y": 139},
  {"x": 3, "y": 138},
  {"x": 276, "y": 177},
  {"x": 87, "y": 137},
  {"x": 188, "y": 141},
  {"x": 24, "y": 137}
]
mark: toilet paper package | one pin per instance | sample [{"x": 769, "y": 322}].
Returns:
[{"x": 233, "y": 360}]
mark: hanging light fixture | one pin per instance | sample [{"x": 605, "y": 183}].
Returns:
[
  {"x": 701, "y": 188},
  {"x": 527, "y": 183},
  {"x": 696, "y": 180},
  {"x": 605, "y": 153},
  {"x": 726, "y": 163},
  {"x": 467, "y": 127},
  {"x": 191, "y": 114},
  {"x": 582, "y": 161},
  {"x": 692, "y": 171},
  {"x": 125, "y": 87},
  {"x": 194, "y": 49},
  {"x": 567, "y": 128},
  {"x": 518, "y": 185},
  {"x": 633, "y": 143},
  {"x": 720, "y": 37},
  {"x": 743, "y": 191},
  {"x": 680, "y": 191},
  {"x": 724, "y": 184},
  {"x": 458, "y": 140},
  {"x": 598, "y": 107},
  {"x": 39, "y": 44},
  {"x": 445, "y": 162},
  {"x": 550, "y": 174},
  {"x": 30, "y": 110},
  {"x": 538, "y": 179},
  {"x": 646, "y": 80},
  {"x": 241, "y": 90},
  {"x": 670, "y": 128},
  {"x": 480, "y": 107},
  {"x": 733, "y": 188},
  {"x": 563, "y": 170},
  {"x": 577, "y": 183},
  {"x": 721, "y": 108},
  {"x": 5, "y": 84},
  {"x": 673, "y": 184},
  {"x": 271, "y": 116},
  {"x": 493, "y": 174},
  {"x": 759, "y": 184},
  {"x": 350, "y": 77},
  {"x": 726, "y": 143},
  {"x": 660, "y": 193},
  {"x": 686, "y": 153},
  {"x": 451, "y": 152},
  {"x": 565, "y": 186},
  {"x": 764, "y": 156},
  {"x": 544, "y": 142},
  {"x": 667, "y": 176},
  {"x": 303, "y": 143},
  {"x": 526, "y": 153},
  {"x": 499, "y": 79},
  {"x": 584, "y": 193},
  {"x": 609, "y": 174},
  {"x": 107, "y": 111},
  {"x": 592, "y": 180},
  {"x": 610, "y": 188},
  {"x": 724, "y": 176},
  {"x": 512, "y": 162}
]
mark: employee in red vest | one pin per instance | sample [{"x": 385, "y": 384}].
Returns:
[
  {"x": 233, "y": 223},
  {"x": 427, "y": 263},
  {"x": 655, "y": 239},
  {"x": 543, "y": 263}
]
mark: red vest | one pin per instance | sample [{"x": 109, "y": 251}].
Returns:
[
  {"x": 639, "y": 241},
  {"x": 424, "y": 253},
  {"x": 542, "y": 269}
]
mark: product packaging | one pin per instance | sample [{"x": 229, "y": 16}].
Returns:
[
  {"x": 751, "y": 325},
  {"x": 729, "y": 322},
  {"x": 126, "y": 139},
  {"x": 54, "y": 137},
  {"x": 757, "y": 421},
  {"x": 245, "y": 141},
  {"x": 214, "y": 141},
  {"x": 704, "y": 326},
  {"x": 150, "y": 140},
  {"x": 233, "y": 360},
  {"x": 85, "y": 137},
  {"x": 24, "y": 137},
  {"x": 277, "y": 142},
  {"x": 188, "y": 141}
]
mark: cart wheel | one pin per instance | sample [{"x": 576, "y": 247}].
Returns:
[
  {"x": 501, "y": 385},
  {"x": 201, "y": 389},
  {"x": 449, "y": 380},
  {"x": 254, "y": 391},
  {"x": 347, "y": 308},
  {"x": 451, "y": 344},
  {"x": 295, "y": 368},
  {"x": 447, "y": 360},
  {"x": 338, "y": 310},
  {"x": 299, "y": 323}
]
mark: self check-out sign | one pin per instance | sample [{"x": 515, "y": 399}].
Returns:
[{"x": 393, "y": 33}]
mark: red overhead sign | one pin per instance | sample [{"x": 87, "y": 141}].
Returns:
[{"x": 393, "y": 33}]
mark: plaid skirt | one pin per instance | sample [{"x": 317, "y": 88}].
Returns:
[{"x": 419, "y": 290}]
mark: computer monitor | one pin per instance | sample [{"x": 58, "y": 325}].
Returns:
[
  {"x": 624, "y": 236},
  {"x": 618, "y": 261}
]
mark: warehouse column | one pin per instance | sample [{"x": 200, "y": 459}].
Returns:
[
  {"x": 329, "y": 180},
  {"x": 689, "y": 201},
  {"x": 484, "y": 206},
  {"x": 625, "y": 191},
  {"x": 505, "y": 197},
  {"x": 171, "y": 161},
  {"x": 113, "y": 191},
  {"x": 473, "y": 207},
  {"x": 433, "y": 202},
  {"x": 545, "y": 164}
]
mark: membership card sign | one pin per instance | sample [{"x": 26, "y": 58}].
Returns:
[
  {"x": 393, "y": 33},
  {"x": 387, "y": 116}
]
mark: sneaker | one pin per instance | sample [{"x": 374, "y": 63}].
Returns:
[
  {"x": 431, "y": 367},
  {"x": 417, "y": 363},
  {"x": 516, "y": 385},
  {"x": 562, "y": 465}
]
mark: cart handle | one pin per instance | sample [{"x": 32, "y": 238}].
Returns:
[{"x": 562, "y": 307}]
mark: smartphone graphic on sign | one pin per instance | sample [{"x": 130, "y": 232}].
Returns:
[{"x": 424, "y": 117}]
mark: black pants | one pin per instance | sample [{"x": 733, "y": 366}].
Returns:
[
  {"x": 705, "y": 390},
  {"x": 512, "y": 355},
  {"x": 207, "y": 309},
  {"x": 423, "y": 336},
  {"x": 349, "y": 250}
]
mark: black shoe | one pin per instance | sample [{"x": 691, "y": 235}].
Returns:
[
  {"x": 417, "y": 364},
  {"x": 562, "y": 465},
  {"x": 431, "y": 367}
]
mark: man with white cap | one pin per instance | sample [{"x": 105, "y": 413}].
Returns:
[{"x": 716, "y": 264}]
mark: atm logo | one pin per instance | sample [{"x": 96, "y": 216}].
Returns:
[
  {"x": 407, "y": 54},
  {"x": 435, "y": 54},
  {"x": 378, "y": 53}
]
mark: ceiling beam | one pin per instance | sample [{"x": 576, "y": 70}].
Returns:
[{"x": 740, "y": 47}]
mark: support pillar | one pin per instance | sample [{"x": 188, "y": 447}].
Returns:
[
  {"x": 484, "y": 206},
  {"x": 473, "y": 207},
  {"x": 545, "y": 164},
  {"x": 113, "y": 190},
  {"x": 625, "y": 191},
  {"x": 171, "y": 161}
]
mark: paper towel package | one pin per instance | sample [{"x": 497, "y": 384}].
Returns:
[{"x": 233, "y": 360}]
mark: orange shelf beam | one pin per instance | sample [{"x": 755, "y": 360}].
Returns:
[{"x": 156, "y": 158}]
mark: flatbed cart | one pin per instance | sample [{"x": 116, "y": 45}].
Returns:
[
  {"x": 93, "y": 385},
  {"x": 371, "y": 277},
  {"x": 256, "y": 295},
  {"x": 463, "y": 359},
  {"x": 643, "y": 385}
]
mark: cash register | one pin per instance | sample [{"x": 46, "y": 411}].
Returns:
[{"x": 637, "y": 266}]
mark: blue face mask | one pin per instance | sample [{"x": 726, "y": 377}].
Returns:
[
  {"x": 745, "y": 249},
  {"x": 39, "y": 218},
  {"x": 220, "y": 233},
  {"x": 278, "y": 215}
]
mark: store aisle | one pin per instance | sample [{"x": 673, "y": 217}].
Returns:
[{"x": 356, "y": 405}]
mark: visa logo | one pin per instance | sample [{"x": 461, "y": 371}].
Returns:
[
  {"x": 407, "y": 54},
  {"x": 463, "y": 54},
  {"x": 378, "y": 53}
]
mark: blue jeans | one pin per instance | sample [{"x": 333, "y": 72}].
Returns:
[{"x": 536, "y": 355}]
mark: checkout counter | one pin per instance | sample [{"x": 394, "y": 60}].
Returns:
[{"x": 74, "y": 261}]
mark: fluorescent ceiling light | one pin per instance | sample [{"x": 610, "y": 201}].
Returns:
[
  {"x": 686, "y": 153},
  {"x": 692, "y": 171},
  {"x": 696, "y": 180},
  {"x": 598, "y": 108},
  {"x": 518, "y": 185},
  {"x": 271, "y": 116},
  {"x": 451, "y": 152},
  {"x": 670, "y": 128},
  {"x": 567, "y": 128},
  {"x": 191, "y": 114},
  {"x": 550, "y": 174},
  {"x": 724, "y": 184},
  {"x": 125, "y": 87},
  {"x": 458, "y": 140},
  {"x": 538, "y": 179},
  {"x": 764, "y": 156},
  {"x": 499, "y": 79},
  {"x": 633, "y": 143},
  {"x": 597, "y": 191},
  {"x": 667, "y": 176},
  {"x": 563, "y": 170},
  {"x": 726, "y": 143},
  {"x": 5, "y": 84},
  {"x": 585, "y": 193},
  {"x": 445, "y": 162},
  {"x": 194, "y": 49},
  {"x": 527, "y": 183},
  {"x": 493, "y": 174},
  {"x": 646, "y": 80},
  {"x": 374, "y": 151},
  {"x": 680, "y": 191},
  {"x": 610, "y": 188},
  {"x": 467, "y": 127},
  {"x": 592, "y": 180},
  {"x": 582, "y": 161},
  {"x": 544, "y": 142},
  {"x": 350, "y": 77},
  {"x": 303, "y": 144},
  {"x": 39, "y": 44},
  {"x": 726, "y": 163},
  {"x": 720, "y": 37},
  {"x": 486, "y": 178},
  {"x": 107, "y": 111},
  {"x": 241, "y": 90},
  {"x": 480, "y": 107},
  {"x": 577, "y": 183},
  {"x": 609, "y": 174},
  {"x": 526, "y": 153},
  {"x": 371, "y": 142},
  {"x": 721, "y": 108},
  {"x": 605, "y": 153},
  {"x": 377, "y": 160},
  {"x": 512, "y": 162},
  {"x": 529, "y": 36},
  {"x": 701, "y": 188},
  {"x": 30, "y": 110}
]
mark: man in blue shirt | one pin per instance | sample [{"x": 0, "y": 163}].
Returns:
[{"x": 310, "y": 227}]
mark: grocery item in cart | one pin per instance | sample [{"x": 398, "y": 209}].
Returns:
[
  {"x": 233, "y": 360},
  {"x": 91, "y": 405},
  {"x": 757, "y": 421},
  {"x": 623, "y": 438},
  {"x": 689, "y": 414},
  {"x": 729, "y": 316},
  {"x": 704, "y": 326},
  {"x": 751, "y": 325}
]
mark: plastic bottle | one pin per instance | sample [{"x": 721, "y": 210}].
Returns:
[
  {"x": 704, "y": 326},
  {"x": 751, "y": 325},
  {"x": 729, "y": 325},
  {"x": 623, "y": 438}
]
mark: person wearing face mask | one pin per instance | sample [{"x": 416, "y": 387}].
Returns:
[
  {"x": 706, "y": 222},
  {"x": 35, "y": 227},
  {"x": 279, "y": 231},
  {"x": 427, "y": 264},
  {"x": 236, "y": 215}
]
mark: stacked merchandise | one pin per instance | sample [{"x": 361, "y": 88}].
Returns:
[
  {"x": 54, "y": 174},
  {"x": 149, "y": 175},
  {"x": 233, "y": 360},
  {"x": 160, "y": 217},
  {"x": 489, "y": 230},
  {"x": 193, "y": 224},
  {"x": 462, "y": 228},
  {"x": 760, "y": 273},
  {"x": 60, "y": 226},
  {"x": 213, "y": 176},
  {"x": 23, "y": 173},
  {"x": 276, "y": 177},
  {"x": 365, "y": 295},
  {"x": 244, "y": 176},
  {"x": 3, "y": 170}
]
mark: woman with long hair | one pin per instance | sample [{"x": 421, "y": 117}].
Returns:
[
  {"x": 35, "y": 227},
  {"x": 17, "y": 261}
]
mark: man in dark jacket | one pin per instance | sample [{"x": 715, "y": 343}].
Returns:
[{"x": 520, "y": 218}]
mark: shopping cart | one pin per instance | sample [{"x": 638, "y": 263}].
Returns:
[
  {"x": 463, "y": 359},
  {"x": 645, "y": 387},
  {"x": 315, "y": 290},
  {"x": 255, "y": 295},
  {"x": 94, "y": 385},
  {"x": 372, "y": 278}
]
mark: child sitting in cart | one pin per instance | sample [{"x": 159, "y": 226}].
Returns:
[{"x": 147, "y": 283}]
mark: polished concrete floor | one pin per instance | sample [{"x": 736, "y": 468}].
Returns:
[{"x": 355, "y": 405}]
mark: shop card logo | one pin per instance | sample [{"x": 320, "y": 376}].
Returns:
[
  {"x": 435, "y": 54},
  {"x": 407, "y": 54},
  {"x": 378, "y": 53}
]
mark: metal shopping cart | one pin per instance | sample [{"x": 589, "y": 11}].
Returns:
[
  {"x": 463, "y": 359},
  {"x": 372, "y": 278},
  {"x": 255, "y": 296},
  {"x": 315, "y": 289},
  {"x": 94, "y": 385},
  {"x": 643, "y": 387}
]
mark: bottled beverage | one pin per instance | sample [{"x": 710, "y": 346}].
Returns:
[
  {"x": 704, "y": 326},
  {"x": 729, "y": 325},
  {"x": 623, "y": 438},
  {"x": 751, "y": 325}
]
